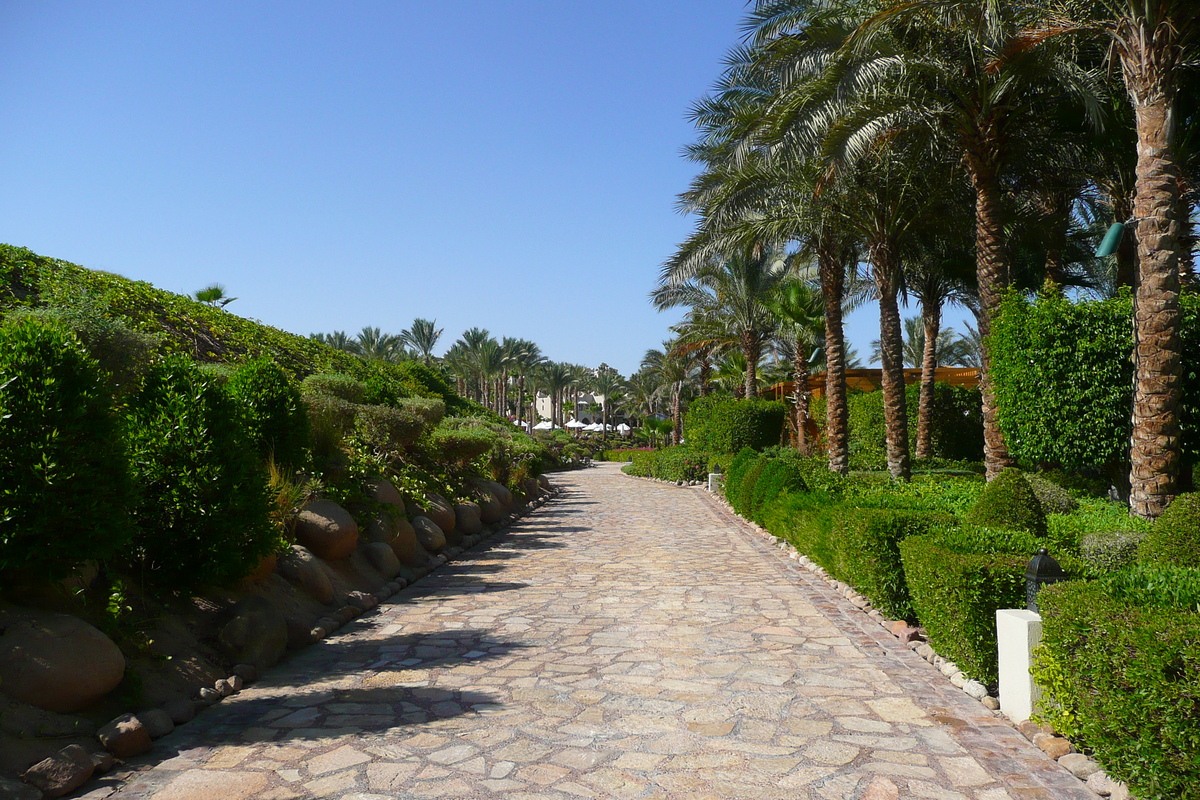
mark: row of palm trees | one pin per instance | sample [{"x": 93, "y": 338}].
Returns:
[
  {"x": 506, "y": 375},
  {"x": 948, "y": 149}
]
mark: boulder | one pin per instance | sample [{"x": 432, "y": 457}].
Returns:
[
  {"x": 302, "y": 568},
  {"x": 256, "y": 633},
  {"x": 29, "y": 722},
  {"x": 382, "y": 491},
  {"x": 530, "y": 488},
  {"x": 15, "y": 790},
  {"x": 438, "y": 509},
  {"x": 429, "y": 534},
  {"x": 158, "y": 723},
  {"x": 382, "y": 558},
  {"x": 490, "y": 509},
  {"x": 381, "y": 528},
  {"x": 327, "y": 530},
  {"x": 544, "y": 482},
  {"x": 265, "y": 566},
  {"x": 66, "y": 770},
  {"x": 467, "y": 519},
  {"x": 500, "y": 492},
  {"x": 125, "y": 737},
  {"x": 55, "y": 661},
  {"x": 180, "y": 710},
  {"x": 407, "y": 547}
]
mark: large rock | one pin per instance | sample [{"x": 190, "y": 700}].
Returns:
[
  {"x": 545, "y": 483},
  {"x": 429, "y": 534},
  {"x": 382, "y": 558},
  {"x": 29, "y": 722},
  {"x": 302, "y": 568},
  {"x": 55, "y": 661},
  {"x": 382, "y": 491},
  {"x": 158, "y": 723},
  {"x": 531, "y": 489},
  {"x": 439, "y": 509},
  {"x": 256, "y": 633},
  {"x": 66, "y": 770},
  {"x": 467, "y": 519},
  {"x": 327, "y": 530},
  {"x": 500, "y": 492},
  {"x": 15, "y": 790},
  {"x": 125, "y": 737},
  {"x": 490, "y": 509},
  {"x": 407, "y": 547}
]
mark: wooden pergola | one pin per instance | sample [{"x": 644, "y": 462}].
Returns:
[{"x": 871, "y": 380}]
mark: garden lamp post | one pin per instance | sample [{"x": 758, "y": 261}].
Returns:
[{"x": 1042, "y": 570}]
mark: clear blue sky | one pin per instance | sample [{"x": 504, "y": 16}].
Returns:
[{"x": 511, "y": 166}]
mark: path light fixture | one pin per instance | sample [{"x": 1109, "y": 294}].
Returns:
[{"x": 1042, "y": 571}]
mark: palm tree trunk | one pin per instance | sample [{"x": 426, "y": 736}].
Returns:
[
  {"x": 832, "y": 272},
  {"x": 705, "y": 375},
  {"x": 1158, "y": 351},
  {"x": 800, "y": 395},
  {"x": 520, "y": 399},
  {"x": 676, "y": 414},
  {"x": 1127, "y": 249},
  {"x": 752, "y": 351},
  {"x": 891, "y": 349},
  {"x": 931, "y": 317},
  {"x": 991, "y": 270}
]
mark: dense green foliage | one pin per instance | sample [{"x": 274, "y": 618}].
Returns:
[
  {"x": 336, "y": 385},
  {"x": 1064, "y": 379},
  {"x": 779, "y": 475},
  {"x": 203, "y": 511},
  {"x": 956, "y": 431},
  {"x": 1120, "y": 669},
  {"x": 670, "y": 464},
  {"x": 64, "y": 474},
  {"x": 736, "y": 472},
  {"x": 722, "y": 424},
  {"x": 275, "y": 417},
  {"x": 957, "y": 580},
  {"x": 1175, "y": 538},
  {"x": 1008, "y": 501},
  {"x": 621, "y": 454},
  {"x": 744, "y": 497}
]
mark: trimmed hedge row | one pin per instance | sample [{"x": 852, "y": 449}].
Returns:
[
  {"x": 670, "y": 464},
  {"x": 623, "y": 454},
  {"x": 1120, "y": 668},
  {"x": 722, "y": 424}
]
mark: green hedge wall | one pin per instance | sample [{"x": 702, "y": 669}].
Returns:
[
  {"x": 1064, "y": 379},
  {"x": 722, "y": 424},
  {"x": 957, "y": 425},
  {"x": 1120, "y": 668},
  {"x": 670, "y": 464}
]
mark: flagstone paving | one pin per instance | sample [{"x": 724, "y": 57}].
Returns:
[{"x": 628, "y": 640}]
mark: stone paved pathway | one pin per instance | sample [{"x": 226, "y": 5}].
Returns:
[{"x": 628, "y": 640}]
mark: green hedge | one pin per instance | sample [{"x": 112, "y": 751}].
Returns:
[
  {"x": 1063, "y": 378},
  {"x": 722, "y": 424},
  {"x": 1120, "y": 669},
  {"x": 956, "y": 432},
  {"x": 670, "y": 464},
  {"x": 203, "y": 512},
  {"x": 1008, "y": 501},
  {"x": 1174, "y": 540},
  {"x": 737, "y": 471},
  {"x": 957, "y": 580},
  {"x": 273, "y": 411},
  {"x": 65, "y": 487},
  {"x": 778, "y": 477},
  {"x": 625, "y": 454}
]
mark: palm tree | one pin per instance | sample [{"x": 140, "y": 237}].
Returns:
[
  {"x": 1154, "y": 41},
  {"x": 338, "y": 340},
  {"x": 422, "y": 336},
  {"x": 732, "y": 292},
  {"x": 798, "y": 307},
  {"x": 524, "y": 358},
  {"x": 671, "y": 371},
  {"x": 378, "y": 346},
  {"x": 214, "y": 295},
  {"x": 556, "y": 377},
  {"x": 607, "y": 383}
]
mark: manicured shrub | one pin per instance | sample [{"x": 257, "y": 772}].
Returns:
[
  {"x": 670, "y": 464},
  {"x": 722, "y": 424},
  {"x": 1008, "y": 501},
  {"x": 1106, "y": 552},
  {"x": 745, "y": 493},
  {"x": 737, "y": 471},
  {"x": 1053, "y": 498},
  {"x": 273, "y": 411},
  {"x": 622, "y": 454},
  {"x": 1174, "y": 540},
  {"x": 779, "y": 475},
  {"x": 387, "y": 430},
  {"x": 461, "y": 446},
  {"x": 65, "y": 487},
  {"x": 956, "y": 433},
  {"x": 957, "y": 580},
  {"x": 342, "y": 387},
  {"x": 203, "y": 511},
  {"x": 1120, "y": 670}
]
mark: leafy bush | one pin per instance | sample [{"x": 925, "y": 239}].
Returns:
[
  {"x": 1063, "y": 379},
  {"x": 1174, "y": 540},
  {"x": 1053, "y": 498},
  {"x": 204, "y": 511},
  {"x": 1068, "y": 531},
  {"x": 623, "y": 454},
  {"x": 737, "y": 471},
  {"x": 387, "y": 430},
  {"x": 64, "y": 474},
  {"x": 1109, "y": 551},
  {"x": 1008, "y": 501},
  {"x": 1120, "y": 670},
  {"x": 336, "y": 385},
  {"x": 956, "y": 433},
  {"x": 779, "y": 475},
  {"x": 670, "y": 464},
  {"x": 274, "y": 414},
  {"x": 461, "y": 446},
  {"x": 745, "y": 492},
  {"x": 721, "y": 424},
  {"x": 957, "y": 580}
]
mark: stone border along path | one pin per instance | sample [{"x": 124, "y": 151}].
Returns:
[{"x": 627, "y": 640}]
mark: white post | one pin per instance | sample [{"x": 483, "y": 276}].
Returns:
[{"x": 1017, "y": 632}]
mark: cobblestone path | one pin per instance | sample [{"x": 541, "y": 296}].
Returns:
[{"x": 628, "y": 640}]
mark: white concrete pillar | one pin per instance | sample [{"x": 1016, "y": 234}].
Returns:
[{"x": 1017, "y": 632}]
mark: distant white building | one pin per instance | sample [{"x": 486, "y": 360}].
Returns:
[{"x": 581, "y": 411}]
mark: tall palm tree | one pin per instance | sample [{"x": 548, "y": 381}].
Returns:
[
  {"x": 732, "y": 291},
  {"x": 672, "y": 371},
  {"x": 556, "y": 377},
  {"x": 798, "y": 307},
  {"x": 422, "y": 336},
  {"x": 338, "y": 340},
  {"x": 607, "y": 383},
  {"x": 524, "y": 358},
  {"x": 376, "y": 345},
  {"x": 1154, "y": 41}
]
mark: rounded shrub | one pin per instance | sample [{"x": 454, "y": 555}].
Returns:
[
  {"x": 461, "y": 446},
  {"x": 779, "y": 475},
  {"x": 275, "y": 416},
  {"x": 203, "y": 511},
  {"x": 749, "y": 481},
  {"x": 335, "y": 385},
  {"x": 1008, "y": 501},
  {"x": 1054, "y": 498},
  {"x": 737, "y": 470},
  {"x": 1175, "y": 538},
  {"x": 65, "y": 488}
]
